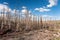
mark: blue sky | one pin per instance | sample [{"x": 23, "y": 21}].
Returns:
[{"x": 37, "y": 7}]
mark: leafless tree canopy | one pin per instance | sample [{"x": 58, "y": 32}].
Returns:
[{"x": 22, "y": 21}]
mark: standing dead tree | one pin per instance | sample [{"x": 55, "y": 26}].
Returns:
[
  {"x": 27, "y": 18},
  {"x": 8, "y": 19},
  {"x": 17, "y": 21},
  {"x": 2, "y": 25},
  {"x": 41, "y": 23},
  {"x": 38, "y": 21}
]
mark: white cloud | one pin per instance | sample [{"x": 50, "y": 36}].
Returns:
[
  {"x": 29, "y": 11},
  {"x": 5, "y": 3},
  {"x": 36, "y": 8},
  {"x": 4, "y": 7},
  {"x": 47, "y": 16},
  {"x": 25, "y": 11},
  {"x": 52, "y": 3},
  {"x": 50, "y": 17},
  {"x": 23, "y": 7},
  {"x": 42, "y": 9},
  {"x": 46, "y": 9},
  {"x": 13, "y": 11}
]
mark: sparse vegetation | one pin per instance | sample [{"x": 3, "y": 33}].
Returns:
[{"x": 16, "y": 26}]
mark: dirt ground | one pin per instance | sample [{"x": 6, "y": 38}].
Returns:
[{"x": 32, "y": 35}]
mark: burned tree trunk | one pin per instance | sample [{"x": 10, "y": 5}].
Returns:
[
  {"x": 2, "y": 25},
  {"x": 16, "y": 21},
  {"x": 8, "y": 19},
  {"x": 41, "y": 23}
]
